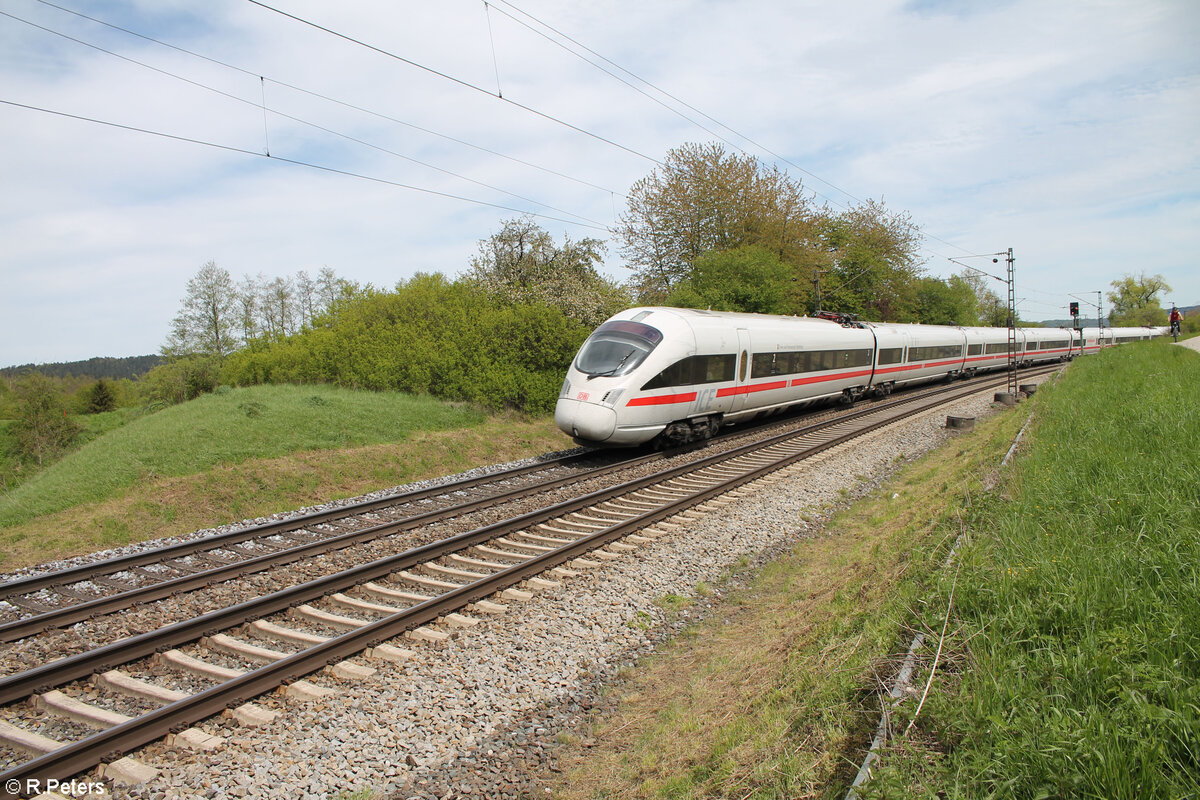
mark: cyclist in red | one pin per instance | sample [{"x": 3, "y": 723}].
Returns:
[{"x": 1176, "y": 319}]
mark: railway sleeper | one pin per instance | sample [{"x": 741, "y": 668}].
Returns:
[
  {"x": 388, "y": 593},
  {"x": 60, "y": 705},
  {"x": 554, "y": 541},
  {"x": 454, "y": 572},
  {"x": 223, "y": 643},
  {"x": 121, "y": 683},
  {"x": 279, "y": 633},
  {"x": 536, "y": 548},
  {"x": 182, "y": 661},
  {"x": 556, "y": 528},
  {"x": 27, "y": 741},
  {"x": 477, "y": 562}
]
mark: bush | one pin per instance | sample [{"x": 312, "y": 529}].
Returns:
[
  {"x": 181, "y": 379},
  {"x": 430, "y": 336},
  {"x": 42, "y": 430}
]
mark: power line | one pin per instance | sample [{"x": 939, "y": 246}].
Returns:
[
  {"x": 611, "y": 74},
  {"x": 459, "y": 81},
  {"x": 299, "y": 120},
  {"x": 665, "y": 93},
  {"x": 683, "y": 103},
  {"x": 297, "y": 162},
  {"x": 334, "y": 100}
]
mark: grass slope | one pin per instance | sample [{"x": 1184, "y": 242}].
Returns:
[
  {"x": 246, "y": 452},
  {"x": 1077, "y": 610}
]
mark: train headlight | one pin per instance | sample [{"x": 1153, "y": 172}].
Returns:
[
  {"x": 566, "y": 388},
  {"x": 610, "y": 399}
]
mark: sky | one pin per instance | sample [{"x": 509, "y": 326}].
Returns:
[{"x": 381, "y": 139}]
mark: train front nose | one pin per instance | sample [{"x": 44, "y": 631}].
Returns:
[{"x": 584, "y": 420}]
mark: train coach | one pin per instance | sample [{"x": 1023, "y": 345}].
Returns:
[{"x": 675, "y": 375}]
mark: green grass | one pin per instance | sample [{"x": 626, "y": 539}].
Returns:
[
  {"x": 227, "y": 427},
  {"x": 1075, "y": 658}
]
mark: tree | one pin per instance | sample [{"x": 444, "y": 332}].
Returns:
[
  {"x": 206, "y": 322},
  {"x": 184, "y": 378},
  {"x": 278, "y": 307},
  {"x": 100, "y": 398},
  {"x": 306, "y": 298},
  {"x": 871, "y": 261},
  {"x": 42, "y": 429},
  {"x": 522, "y": 264},
  {"x": 1135, "y": 300},
  {"x": 249, "y": 307},
  {"x": 701, "y": 200},
  {"x": 749, "y": 278},
  {"x": 945, "y": 302},
  {"x": 990, "y": 310}
]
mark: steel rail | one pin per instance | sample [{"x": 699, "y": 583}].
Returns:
[
  {"x": 83, "y": 754},
  {"x": 15, "y": 630},
  {"x": 109, "y": 566},
  {"x": 68, "y": 615},
  {"x": 18, "y": 685}
]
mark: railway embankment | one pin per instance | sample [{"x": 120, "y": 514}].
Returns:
[
  {"x": 1061, "y": 641},
  {"x": 738, "y": 650}
]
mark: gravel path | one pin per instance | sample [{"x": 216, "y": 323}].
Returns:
[{"x": 478, "y": 716}]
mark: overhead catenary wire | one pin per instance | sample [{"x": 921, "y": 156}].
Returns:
[
  {"x": 683, "y": 103},
  {"x": 299, "y": 120},
  {"x": 459, "y": 81},
  {"x": 665, "y": 93},
  {"x": 296, "y": 162},
  {"x": 498, "y": 94},
  {"x": 334, "y": 100}
]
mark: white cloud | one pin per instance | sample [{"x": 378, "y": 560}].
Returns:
[{"x": 1065, "y": 130}]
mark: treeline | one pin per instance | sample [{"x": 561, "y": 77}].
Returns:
[
  {"x": 110, "y": 368},
  {"x": 709, "y": 229},
  {"x": 501, "y": 335},
  {"x": 718, "y": 230}
]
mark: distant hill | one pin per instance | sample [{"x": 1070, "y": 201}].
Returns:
[{"x": 112, "y": 368}]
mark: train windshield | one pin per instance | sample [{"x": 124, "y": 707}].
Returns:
[{"x": 617, "y": 347}]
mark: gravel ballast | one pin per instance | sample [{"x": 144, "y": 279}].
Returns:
[{"x": 479, "y": 715}]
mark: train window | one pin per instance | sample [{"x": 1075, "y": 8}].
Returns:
[
  {"x": 891, "y": 355},
  {"x": 694, "y": 370},
  {"x": 997, "y": 347},
  {"x": 856, "y": 358},
  {"x": 974, "y": 349},
  {"x": 764, "y": 364},
  {"x": 616, "y": 348},
  {"x": 768, "y": 364},
  {"x": 745, "y": 365},
  {"x": 716, "y": 369},
  {"x": 934, "y": 352}
]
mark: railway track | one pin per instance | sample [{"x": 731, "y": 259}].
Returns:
[
  {"x": 56, "y": 599},
  {"x": 331, "y": 619},
  {"x": 60, "y": 598}
]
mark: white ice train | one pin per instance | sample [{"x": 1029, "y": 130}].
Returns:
[{"x": 674, "y": 375}]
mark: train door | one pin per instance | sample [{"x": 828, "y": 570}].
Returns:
[{"x": 743, "y": 369}]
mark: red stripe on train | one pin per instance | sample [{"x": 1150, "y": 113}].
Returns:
[{"x": 663, "y": 399}]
